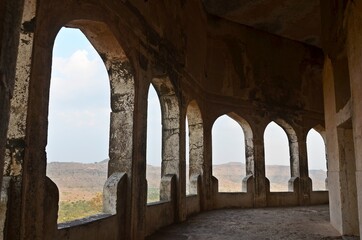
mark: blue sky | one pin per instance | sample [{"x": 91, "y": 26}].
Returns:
[{"x": 80, "y": 108}]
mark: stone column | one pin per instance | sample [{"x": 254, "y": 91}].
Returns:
[
  {"x": 196, "y": 142},
  {"x": 305, "y": 181},
  {"x": 10, "y": 18},
  {"x": 26, "y": 220},
  {"x": 172, "y": 125},
  {"x": 207, "y": 197},
  {"x": 261, "y": 182},
  {"x": 341, "y": 70},
  {"x": 354, "y": 52},
  {"x": 128, "y": 141},
  {"x": 121, "y": 125},
  {"x": 138, "y": 193},
  {"x": 341, "y": 165}
]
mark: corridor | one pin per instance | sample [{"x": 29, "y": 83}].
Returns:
[{"x": 268, "y": 223}]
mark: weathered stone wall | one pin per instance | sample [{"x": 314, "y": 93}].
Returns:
[
  {"x": 10, "y": 17},
  {"x": 341, "y": 21},
  {"x": 354, "y": 51}
]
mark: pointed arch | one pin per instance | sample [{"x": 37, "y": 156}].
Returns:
[
  {"x": 121, "y": 76},
  {"x": 120, "y": 83},
  {"x": 239, "y": 132},
  {"x": 249, "y": 142},
  {"x": 76, "y": 105},
  {"x": 293, "y": 146},
  {"x": 317, "y": 158},
  {"x": 170, "y": 111},
  {"x": 281, "y": 142},
  {"x": 154, "y": 146}
]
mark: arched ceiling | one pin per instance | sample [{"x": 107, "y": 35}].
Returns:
[{"x": 294, "y": 19}]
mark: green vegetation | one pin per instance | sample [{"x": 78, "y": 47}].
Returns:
[
  {"x": 73, "y": 210},
  {"x": 69, "y": 211},
  {"x": 153, "y": 194}
]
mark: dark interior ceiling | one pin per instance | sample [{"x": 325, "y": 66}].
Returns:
[{"x": 295, "y": 19}]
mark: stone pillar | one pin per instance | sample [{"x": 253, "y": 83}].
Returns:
[
  {"x": 26, "y": 221},
  {"x": 137, "y": 197},
  {"x": 127, "y": 133},
  {"x": 121, "y": 124},
  {"x": 181, "y": 185},
  {"x": 305, "y": 181},
  {"x": 10, "y": 18},
  {"x": 354, "y": 52},
  {"x": 172, "y": 125},
  {"x": 261, "y": 182},
  {"x": 196, "y": 142},
  {"x": 207, "y": 196},
  {"x": 340, "y": 36},
  {"x": 341, "y": 165}
]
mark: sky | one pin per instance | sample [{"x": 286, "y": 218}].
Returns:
[{"x": 79, "y": 110}]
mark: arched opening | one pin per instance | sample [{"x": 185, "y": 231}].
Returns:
[
  {"x": 277, "y": 157},
  {"x": 78, "y": 130},
  {"x": 228, "y": 154},
  {"x": 154, "y": 146},
  {"x": 194, "y": 147},
  {"x": 170, "y": 113},
  {"x": 317, "y": 162}
]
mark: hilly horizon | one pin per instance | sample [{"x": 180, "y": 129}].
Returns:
[{"x": 81, "y": 181}]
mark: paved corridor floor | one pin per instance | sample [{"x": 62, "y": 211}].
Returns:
[{"x": 267, "y": 223}]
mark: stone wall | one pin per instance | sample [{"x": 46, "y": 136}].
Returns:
[{"x": 342, "y": 85}]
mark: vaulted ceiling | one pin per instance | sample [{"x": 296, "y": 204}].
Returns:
[{"x": 295, "y": 19}]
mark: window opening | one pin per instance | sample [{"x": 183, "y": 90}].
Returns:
[
  {"x": 78, "y": 130},
  {"x": 228, "y": 154},
  {"x": 317, "y": 162},
  {"x": 277, "y": 157},
  {"x": 154, "y": 146}
]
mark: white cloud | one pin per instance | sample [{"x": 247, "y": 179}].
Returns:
[
  {"x": 79, "y": 108},
  {"x": 80, "y": 74}
]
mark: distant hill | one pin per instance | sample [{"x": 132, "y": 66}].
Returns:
[{"x": 81, "y": 181}]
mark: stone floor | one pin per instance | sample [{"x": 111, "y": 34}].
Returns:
[{"x": 271, "y": 223}]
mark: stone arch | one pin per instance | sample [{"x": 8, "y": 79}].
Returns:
[
  {"x": 36, "y": 86},
  {"x": 196, "y": 144},
  {"x": 121, "y": 78},
  {"x": 293, "y": 149},
  {"x": 170, "y": 111},
  {"x": 317, "y": 130},
  {"x": 120, "y": 74},
  {"x": 154, "y": 145},
  {"x": 249, "y": 145},
  {"x": 78, "y": 140}
]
